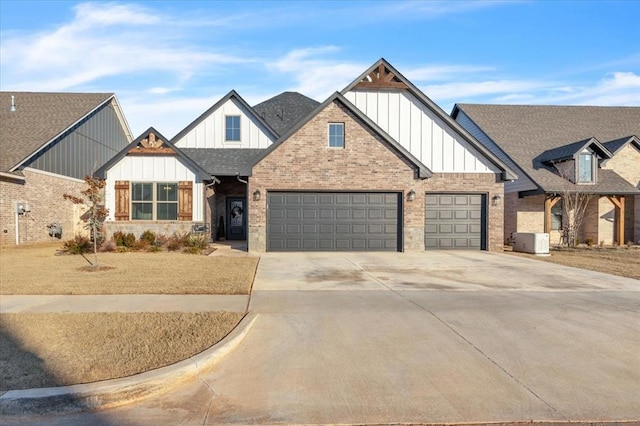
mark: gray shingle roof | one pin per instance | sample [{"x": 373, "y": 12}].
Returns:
[
  {"x": 39, "y": 117},
  {"x": 525, "y": 132},
  {"x": 222, "y": 162},
  {"x": 567, "y": 152},
  {"x": 615, "y": 145},
  {"x": 283, "y": 111}
]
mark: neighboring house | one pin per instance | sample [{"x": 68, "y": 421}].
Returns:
[
  {"x": 562, "y": 149},
  {"x": 378, "y": 166},
  {"x": 48, "y": 143}
]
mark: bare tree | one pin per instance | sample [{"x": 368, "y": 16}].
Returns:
[
  {"x": 96, "y": 214},
  {"x": 575, "y": 200}
]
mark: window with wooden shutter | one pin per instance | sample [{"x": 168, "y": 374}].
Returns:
[
  {"x": 122, "y": 200},
  {"x": 185, "y": 200}
]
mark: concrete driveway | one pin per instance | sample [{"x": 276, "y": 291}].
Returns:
[
  {"x": 418, "y": 337},
  {"x": 433, "y": 337}
]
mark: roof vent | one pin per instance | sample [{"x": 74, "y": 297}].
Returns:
[{"x": 13, "y": 104}]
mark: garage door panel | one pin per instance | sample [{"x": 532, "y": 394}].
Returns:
[
  {"x": 359, "y": 214},
  {"x": 454, "y": 221},
  {"x": 310, "y": 199},
  {"x": 326, "y": 214},
  {"x": 332, "y": 221},
  {"x": 293, "y": 214},
  {"x": 310, "y": 214}
]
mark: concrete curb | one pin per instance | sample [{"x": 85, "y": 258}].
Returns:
[{"x": 111, "y": 393}]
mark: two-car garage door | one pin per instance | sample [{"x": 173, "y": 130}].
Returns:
[
  {"x": 333, "y": 221},
  {"x": 358, "y": 221}
]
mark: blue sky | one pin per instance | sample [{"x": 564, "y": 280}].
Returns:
[{"x": 169, "y": 61}]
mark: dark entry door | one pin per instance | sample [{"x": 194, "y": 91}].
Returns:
[{"x": 236, "y": 219}]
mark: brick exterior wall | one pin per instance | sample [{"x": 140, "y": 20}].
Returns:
[
  {"x": 43, "y": 193},
  {"x": 366, "y": 163},
  {"x": 627, "y": 164}
]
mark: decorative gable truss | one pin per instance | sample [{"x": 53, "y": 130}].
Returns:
[
  {"x": 419, "y": 125},
  {"x": 381, "y": 77},
  {"x": 151, "y": 171}
]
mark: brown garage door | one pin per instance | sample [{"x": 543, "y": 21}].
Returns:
[{"x": 455, "y": 221}]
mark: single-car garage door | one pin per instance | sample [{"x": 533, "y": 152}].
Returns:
[
  {"x": 332, "y": 221},
  {"x": 455, "y": 221}
]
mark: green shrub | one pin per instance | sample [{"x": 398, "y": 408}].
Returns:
[
  {"x": 154, "y": 249},
  {"x": 148, "y": 236},
  {"x": 124, "y": 240},
  {"x": 589, "y": 241},
  {"x": 197, "y": 241},
  {"x": 78, "y": 245}
]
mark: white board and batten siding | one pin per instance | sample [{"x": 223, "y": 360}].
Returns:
[
  {"x": 420, "y": 131},
  {"x": 210, "y": 132},
  {"x": 154, "y": 169},
  {"x": 522, "y": 183}
]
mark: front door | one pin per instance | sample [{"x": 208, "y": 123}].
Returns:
[{"x": 236, "y": 219}]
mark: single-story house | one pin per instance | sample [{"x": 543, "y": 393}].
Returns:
[
  {"x": 561, "y": 150},
  {"x": 48, "y": 143},
  {"x": 377, "y": 166}
]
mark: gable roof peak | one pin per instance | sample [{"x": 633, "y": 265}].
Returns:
[{"x": 231, "y": 94}]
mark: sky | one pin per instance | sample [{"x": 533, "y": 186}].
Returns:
[{"x": 169, "y": 61}]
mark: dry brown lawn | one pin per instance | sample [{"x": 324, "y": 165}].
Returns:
[
  {"x": 621, "y": 261},
  {"x": 47, "y": 349},
  {"x": 38, "y": 270}
]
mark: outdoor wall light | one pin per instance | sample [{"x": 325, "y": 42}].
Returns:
[
  {"x": 411, "y": 195},
  {"x": 256, "y": 195},
  {"x": 495, "y": 200}
]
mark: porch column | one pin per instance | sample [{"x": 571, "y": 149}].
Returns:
[
  {"x": 549, "y": 202},
  {"x": 618, "y": 202}
]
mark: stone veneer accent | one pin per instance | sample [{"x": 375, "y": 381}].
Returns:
[
  {"x": 366, "y": 163},
  {"x": 43, "y": 192}
]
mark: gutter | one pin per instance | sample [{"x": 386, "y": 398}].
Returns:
[{"x": 12, "y": 176}]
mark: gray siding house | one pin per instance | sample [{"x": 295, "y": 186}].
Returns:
[{"x": 49, "y": 143}]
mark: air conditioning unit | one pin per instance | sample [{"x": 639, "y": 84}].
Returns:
[{"x": 529, "y": 242}]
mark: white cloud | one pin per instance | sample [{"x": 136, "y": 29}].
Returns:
[
  {"x": 315, "y": 75},
  {"x": 617, "y": 88},
  {"x": 104, "y": 40},
  {"x": 168, "y": 115}
]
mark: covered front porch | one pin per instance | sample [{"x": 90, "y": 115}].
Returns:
[{"x": 604, "y": 219}]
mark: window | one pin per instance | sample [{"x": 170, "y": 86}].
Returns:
[
  {"x": 336, "y": 135},
  {"x": 556, "y": 216},
  {"x": 154, "y": 201},
  {"x": 585, "y": 168},
  {"x": 142, "y": 201},
  {"x": 232, "y": 128}
]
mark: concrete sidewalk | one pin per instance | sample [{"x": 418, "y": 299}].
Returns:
[{"x": 124, "y": 303}]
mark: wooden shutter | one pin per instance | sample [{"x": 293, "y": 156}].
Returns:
[
  {"x": 122, "y": 200},
  {"x": 185, "y": 200}
]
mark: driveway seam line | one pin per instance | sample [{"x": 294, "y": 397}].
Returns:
[
  {"x": 462, "y": 337},
  {"x": 213, "y": 395}
]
